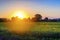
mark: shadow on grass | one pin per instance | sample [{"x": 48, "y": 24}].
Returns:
[{"x": 5, "y": 35}]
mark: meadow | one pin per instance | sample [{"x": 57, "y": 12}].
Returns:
[{"x": 30, "y": 30}]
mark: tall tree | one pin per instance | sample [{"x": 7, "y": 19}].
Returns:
[{"x": 37, "y": 17}]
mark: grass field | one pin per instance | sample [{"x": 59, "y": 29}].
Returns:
[
  {"x": 47, "y": 27},
  {"x": 44, "y": 30}
]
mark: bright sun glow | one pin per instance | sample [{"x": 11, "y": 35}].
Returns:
[{"x": 20, "y": 14}]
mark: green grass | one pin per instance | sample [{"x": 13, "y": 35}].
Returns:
[
  {"x": 2, "y": 26},
  {"x": 47, "y": 28},
  {"x": 35, "y": 26}
]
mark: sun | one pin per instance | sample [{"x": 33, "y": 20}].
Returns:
[{"x": 20, "y": 14}]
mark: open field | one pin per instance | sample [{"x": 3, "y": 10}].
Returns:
[
  {"x": 33, "y": 31},
  {"x": 34, "y": 26}
]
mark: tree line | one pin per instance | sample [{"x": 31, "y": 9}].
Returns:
[{"x": 36, "y": 18}]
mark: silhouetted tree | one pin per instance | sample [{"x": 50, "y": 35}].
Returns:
[
  {"x": 46, "y": 19},
  {"x": 15, "y": 18},
  {"x": 37, "y": 17},
  {"x": 4, "y": 20}
]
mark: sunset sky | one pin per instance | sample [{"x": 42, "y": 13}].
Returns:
[{"x": 47, "y": 8}]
